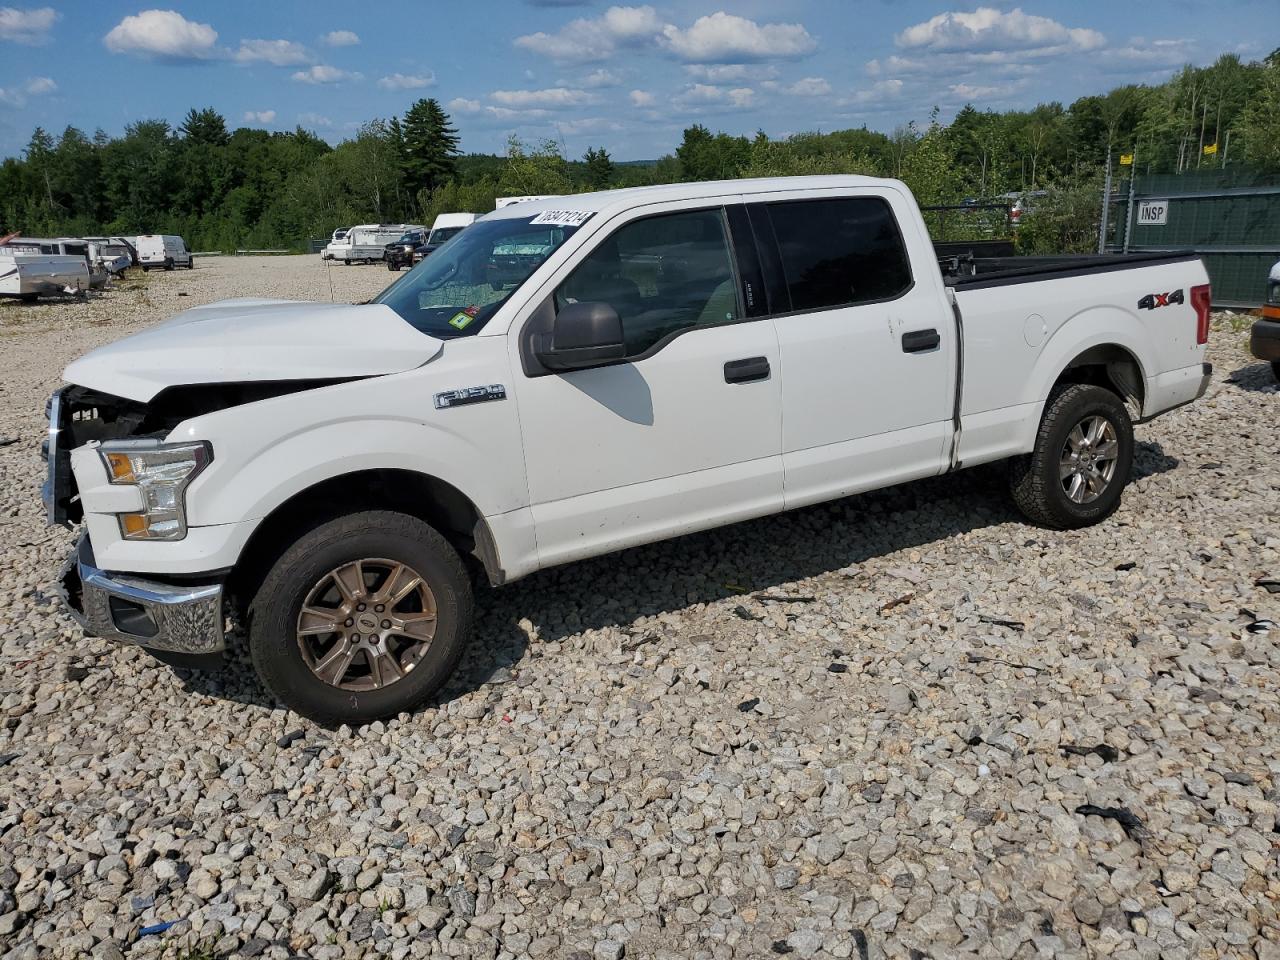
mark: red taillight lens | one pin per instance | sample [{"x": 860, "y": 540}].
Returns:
[{"x": 1200, "y": 301}]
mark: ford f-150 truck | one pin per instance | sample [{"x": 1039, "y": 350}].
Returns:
[{"x": 572, "y": 376}]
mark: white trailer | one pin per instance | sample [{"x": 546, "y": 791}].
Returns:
[
  {"x": 28, "y": 276},
  {"x": 366, "y": 242}
]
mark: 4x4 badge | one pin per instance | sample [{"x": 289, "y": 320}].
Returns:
[{"x": 1153, "y": 300}]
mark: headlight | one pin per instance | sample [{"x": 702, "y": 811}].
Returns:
[{"x": 161, "y": 471}]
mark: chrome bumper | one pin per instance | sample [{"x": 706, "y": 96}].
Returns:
[{"x": 184, "y": 618}]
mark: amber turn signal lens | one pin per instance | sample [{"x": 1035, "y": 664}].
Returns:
[
  {"x": 121, "y": 468},
  {"x": 133, "y": 524}
]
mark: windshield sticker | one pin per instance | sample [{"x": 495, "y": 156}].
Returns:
[
  {"x": 562, "y": 218},
  {"x": 461, "y": 319}
]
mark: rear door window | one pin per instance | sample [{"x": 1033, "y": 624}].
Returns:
[{"x": 840, "y": 252}]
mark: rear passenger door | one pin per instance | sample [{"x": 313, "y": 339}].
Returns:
[{"x": 867, "y": 349}]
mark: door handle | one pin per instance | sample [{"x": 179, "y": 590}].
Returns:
[
  {"x": 746, "y": 371},
  {"x": 919, "y": 340}
]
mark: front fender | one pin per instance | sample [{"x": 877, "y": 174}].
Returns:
[{"x": 266, "y": 452}]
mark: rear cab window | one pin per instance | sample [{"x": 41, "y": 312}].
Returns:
[{"x": 838, "y": 252}]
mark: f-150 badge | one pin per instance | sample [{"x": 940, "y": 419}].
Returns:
[
  {"x": 458, "y": 398},
  {"x": 1153, "y": 300}
]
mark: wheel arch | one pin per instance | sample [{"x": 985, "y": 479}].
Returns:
[
  {"x": 431, "y": 499},
  {"x": 1112, "y": 366}
]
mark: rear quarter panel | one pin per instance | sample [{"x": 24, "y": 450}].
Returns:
[{"x": 1018, "y": 339}]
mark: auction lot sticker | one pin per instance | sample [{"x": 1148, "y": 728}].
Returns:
[{"x": 562, "y": 218}]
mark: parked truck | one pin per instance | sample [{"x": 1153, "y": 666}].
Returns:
[{"x": 574, "y": 376}]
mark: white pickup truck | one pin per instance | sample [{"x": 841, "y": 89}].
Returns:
[{"x": 574, "y": 376}]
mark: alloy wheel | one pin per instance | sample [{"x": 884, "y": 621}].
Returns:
[{"x": 366, "y": 624}]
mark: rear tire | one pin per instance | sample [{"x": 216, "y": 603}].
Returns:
[
  {"x": 29, "y": 297},
  {"x": 364, "y": 686},
  {"x": 168, "y": 263},
  {"x": 1275, "y": 370},
  {"x": 1075, "y": 475}
]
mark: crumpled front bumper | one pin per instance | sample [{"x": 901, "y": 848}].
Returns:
[{"x": 180, "y": 618}]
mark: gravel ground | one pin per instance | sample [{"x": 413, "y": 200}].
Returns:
[{"x": 903, "y": 724}]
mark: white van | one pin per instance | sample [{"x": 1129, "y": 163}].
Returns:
[
  {"x": 158, "y": 250},
  {"x": 448, "y": 224}
]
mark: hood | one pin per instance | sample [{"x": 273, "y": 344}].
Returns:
[{"x": 250, "y": 340}]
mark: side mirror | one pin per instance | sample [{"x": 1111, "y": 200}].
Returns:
[{"x": 582, "y": 335}]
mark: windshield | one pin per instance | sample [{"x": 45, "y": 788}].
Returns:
[
  {"x": 441, "y": 234},
  {"x": 410, "y": 238},
  {"x": 458, "y": 289}
]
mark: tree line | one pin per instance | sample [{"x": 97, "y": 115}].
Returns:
[{"x": 222, "y": 189}]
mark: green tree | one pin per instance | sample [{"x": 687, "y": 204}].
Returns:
[
  {"x": 430, "y": 146},
  {"x": 599, "y": 167},
  {"x": 534, "y": 170}
]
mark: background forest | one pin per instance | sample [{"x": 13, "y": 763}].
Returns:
[{"x": 222, "y": 189}]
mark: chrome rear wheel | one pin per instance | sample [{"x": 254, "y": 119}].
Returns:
[{"x": 1088, "y": 461}]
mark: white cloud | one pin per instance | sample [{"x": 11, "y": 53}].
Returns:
[
  {"x": 463, "y": 105},
  {"x": 587, "y": 39},
  {"x": 27, "y": 26},
  {"x": 972, "y": 91},
  {"x": 555, "y": 97},
  {"x": 642, "y": 98},
  {"x": 314, "y": 120},
  {"x": 163, "y": 35},
  {"x": 721, "y": 73},
  {"x": 705, "y": 94},
  {"x": 725, "y": 38},
  {"x": 407, "y": 81},
  {"x": 259, "y": 116},
  {"x": 34, "y": 87},
  {"x": 323, "y": 73},
  {"x": 601, "y": 78},
  {"x": 880, "y": 90},
  {"x": 809, "y": 87},
  {"x": 588, "y": 125},
  {"x": 279, "y": 53},
  {"x": 1140, "y": 52},
  {"x": 987, "y": 30},
  {"x": 340, "y": 38}
]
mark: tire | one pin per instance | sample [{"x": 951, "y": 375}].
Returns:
[
  {"x": 305, "y": 574},
  {"x": 1275, "y": 370},
  {"x": 1036, "y": 480},
  {"x": 191, "y": 263},
  {"x": 145, "y": 268},
  {"x": 168, "y": 263},
  {"x": 393, "y": 267},
  {"x": 28, "y": 297}
]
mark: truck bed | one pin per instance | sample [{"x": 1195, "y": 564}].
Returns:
[{"x": 974, "y": 273}]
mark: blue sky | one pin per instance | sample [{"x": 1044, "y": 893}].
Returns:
[{"x": 626, "y": 77}]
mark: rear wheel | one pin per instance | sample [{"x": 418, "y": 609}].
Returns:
[
  {"x": 29, "y": 297},
  {"x": 168, "y": 263},
  {"x": 1083, "y": 454},
  {"x": 364, "y": 617},
  {"x": 1275, "y": 369}
]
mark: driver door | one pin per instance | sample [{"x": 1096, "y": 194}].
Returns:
[{"x": 683, "y": 434}]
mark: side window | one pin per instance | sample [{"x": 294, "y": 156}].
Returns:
[
  {"x": 661, "y": 274},
  {"x": 840, "y": 252}
]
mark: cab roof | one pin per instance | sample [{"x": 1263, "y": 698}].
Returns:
[{"x": 612, "y": 201}]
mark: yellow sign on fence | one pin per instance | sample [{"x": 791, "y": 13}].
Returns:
[
  {"x": 1210, "y": 148},
  {"x": 1126, "y": 159}
]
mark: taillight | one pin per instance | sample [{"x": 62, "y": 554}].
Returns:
[{"x": 1200, "y": 302}]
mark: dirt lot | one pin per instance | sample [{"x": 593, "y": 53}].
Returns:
[{"x": 903, "y": 724}]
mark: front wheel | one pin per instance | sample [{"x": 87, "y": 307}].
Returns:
[
  {"x": 1081, "y": 461},
  {"x": 364, "y": 617},
  {"x": 168, "y": 263}
]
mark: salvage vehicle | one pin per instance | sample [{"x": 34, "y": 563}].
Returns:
[
  {"x": 576, "y": 376},
  {"x": 404, "y": 252},
  {"x": 164, "y": 251},
  {"x": 28, "y": 276},
  {"x": 1264, "y": 339}
]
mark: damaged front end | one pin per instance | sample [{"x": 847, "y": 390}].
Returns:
[{"x": 175, "y": 614}]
